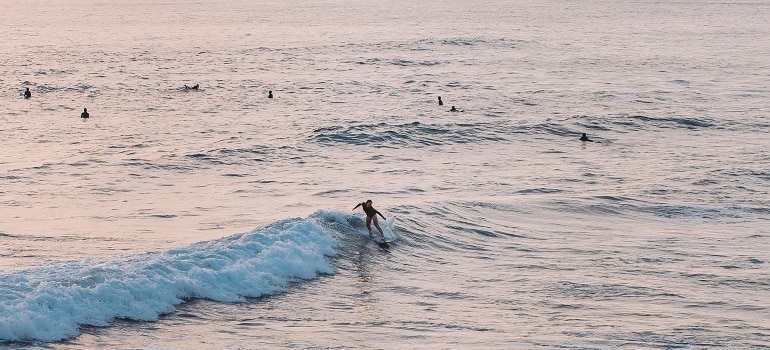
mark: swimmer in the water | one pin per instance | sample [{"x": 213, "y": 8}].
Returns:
[
  {"x": 440, "y": 103},
  {"x": 371, "y": 215},
  {"x": 455, "y": 109},
  {"x": 270, "y": 94},
  {"x": 194, "y": 87},
  {"x": 27, "y": 93},
  {"x": 85, "y": 113},
  {"x": 585, "y": 138}
]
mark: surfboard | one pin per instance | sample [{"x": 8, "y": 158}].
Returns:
[
  {"x": 387, "y": 230},
  {"x": 377, "y": 238}
]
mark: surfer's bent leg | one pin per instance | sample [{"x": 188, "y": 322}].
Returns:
[{"x": 377, "y": 225}]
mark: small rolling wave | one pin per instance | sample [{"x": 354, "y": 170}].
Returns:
[
  {"x": 675, "y": 122},
  {"x": 418, "y": 134},
  {"x": 413, "y": 134},
  {"x": 635, "y": 123},
  {"x": 631, "y": 207},
  {"x": 648, "y": 123}
]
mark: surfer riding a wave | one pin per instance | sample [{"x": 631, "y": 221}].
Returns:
[{"x": 371, "y": 215}]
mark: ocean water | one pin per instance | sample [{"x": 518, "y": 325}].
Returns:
[{"x": 220, "y": 219}]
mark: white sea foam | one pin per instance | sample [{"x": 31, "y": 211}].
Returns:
[{"x": 51, "y": 303}]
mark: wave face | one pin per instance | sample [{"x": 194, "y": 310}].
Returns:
[{"x": 53, "y": 302}]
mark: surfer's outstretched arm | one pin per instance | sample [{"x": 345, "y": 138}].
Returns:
[
  {"x": 358, "y": 205},
  {"x": 383, "y": 217}
]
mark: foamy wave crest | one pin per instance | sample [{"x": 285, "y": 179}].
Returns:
[{"x": 52, "y": 303}]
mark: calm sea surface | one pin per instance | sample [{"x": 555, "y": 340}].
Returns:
[{"x": 220, "y": 219}]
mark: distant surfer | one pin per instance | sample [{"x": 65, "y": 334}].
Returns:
[
  {"x": 371, "y": 215},
  {"x": 455, "y": 109},
  {"x": 585, "y": 138},
  {"x": 85, "y": 113},
  {"x": 194, "y": 87},
  {"x": 27, "y": 93},
  {"x": 440, "y": 103},
  {"x": 270, "y": 94}
]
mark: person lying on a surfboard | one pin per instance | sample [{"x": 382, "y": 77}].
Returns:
[{"x": 371, "y": 215}]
